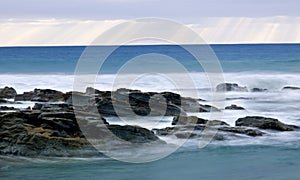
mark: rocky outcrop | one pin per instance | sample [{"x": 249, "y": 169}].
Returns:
[
  {"x": 192, "y": 126},
  {"x": 258, "y": 90},
  {"x": 290, "y": 88},
  {"x": 240, "y": 130},
  {"x": 52, "y": 107},
  {"x": 7, "y": 92},
  {"x": 234, "y": 107},
  {"x": 57, "y": 133},
  {"x": 41, "y": 95},
  {"x": 184, "y": 120},
  {"x": 6, "y": 108},
  {"x": 264, "y": 123},
  {"x": 230, "y": 87},
  {"x": 126, "y": 102},
  {"x": 195, "y": 131}
]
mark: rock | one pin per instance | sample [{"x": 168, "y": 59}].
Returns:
[
  {"x": 134, "y": 134},
  {"x": 184, "y": 120},
  {"x": 8, "y": 92},
  {"x": 164, "y": 131},
  {"x": 38, "y": 133},
  {"x": 2, "y": 101},
  {"x": 52, "y": 107},
  {"x": 264, "y": 123},
  {"x": 26, "y": 96},
  {"x": 290, "y": 88},
  {"x": 41, "y": 95},
  {"x": 6, "y": 108},
  {"x": 82, "y": 99},
  {"x": 20, "y": 138},
  {"x": 186, "y": 135},
  {"x": 258, "y": 90},
  {"x": 207, "y": 108},
  {"x": 234, "y": 107},
  {"x": 240, "y": 130},
  {"x": 230, "y": 87},
  {"x": 188, "y": 131}
]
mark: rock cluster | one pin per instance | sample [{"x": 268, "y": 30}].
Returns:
[
  {"x": 55, "y": 131},
  {"x": 60, "y": 123},
  {"x": 189, "y": 127},
  {"x": 41, "y": 95}
]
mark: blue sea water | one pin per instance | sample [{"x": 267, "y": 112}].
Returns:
[
  {"x": 270, "y": 66},
  {"x": 233, "y": 58}
]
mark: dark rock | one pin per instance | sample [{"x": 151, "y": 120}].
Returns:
[
  {"x": 185, "y": 135},
  {"x": 234, "y": 107},
  {"x": 164, "y": 131},
  {"x": 38, "y": 133},
  {"x": 184, "y": 120},
  {"x": 7, "y": 92},
  {"x": 2, "y": 101},
  {"x": 134, "y": 102},
  {"x": 41, "y": 95},
  {"x": 20, "y": 138},
  {"x": 6, "y": 108},
  {"x": 290, "y": 88},
  {"x": 134, "y": 134},
  {"x": 230, "y": 87},
  {"x": 80, "y": 99},
  {"x": 52, "y": 107},
  {"x": 240, "y": 130},
  {"x": 207, "y": 108},
  {"x": 66, "y": 115},
  {"x": 258, "y": 90},
  {"x": 188, "y": 131},
  {"x": 264, "y": 123},
  {"x": 26, "y": 96}
]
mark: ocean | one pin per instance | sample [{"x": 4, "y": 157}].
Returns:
[{"x": 265, "y": 66}]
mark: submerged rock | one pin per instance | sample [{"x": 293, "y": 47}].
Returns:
[
  {"x": 196, "y": 131},
  {"x": 290, "y": 88},
  {"x": 258, "y": 90},
  {"x": 184, "y": 120},
  {"x": 240, "y": 130},
  {"x": 230, "y": 87},
  {"x": 234, "y": 107},
  {"x": 264, "y": 123}
]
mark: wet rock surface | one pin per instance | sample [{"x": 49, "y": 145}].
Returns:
[
  {"x": 191, "y": 127},
  {"x": 264, "y": 123},
  {"x": 291, "y": 88},
  {"x": 234, "y": 107},
  {"x": 41, "y": 95},
  {"x": 7, "y": 92},
  {"x": 230, "y": 87},
  {"x": 126, "y": 102},
  {"x": 57, "y": 133}
]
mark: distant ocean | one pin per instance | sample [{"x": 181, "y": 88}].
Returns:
[{"x": 266, "y": 66}]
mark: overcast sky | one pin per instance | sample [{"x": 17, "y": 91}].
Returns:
[
  {"x": 79, "y": 22},
  {"x": 186, "y": 11}
]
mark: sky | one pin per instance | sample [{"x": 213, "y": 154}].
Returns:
[{"x": 77, "y": 22}]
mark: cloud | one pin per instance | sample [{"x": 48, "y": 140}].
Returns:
[{"x": 16, "y": 32}]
